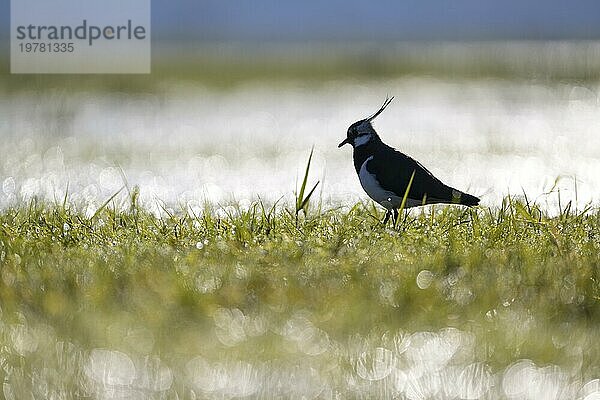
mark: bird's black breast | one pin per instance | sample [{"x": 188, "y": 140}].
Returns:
[{"x": 362, "y": 153}]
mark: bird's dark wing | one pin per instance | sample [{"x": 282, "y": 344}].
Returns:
[{"x": 394, "y": 169}]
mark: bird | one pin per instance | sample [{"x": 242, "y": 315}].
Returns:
[{"x": 386, "y": 174}]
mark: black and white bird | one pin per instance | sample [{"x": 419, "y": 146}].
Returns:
[{"x": 385, "y": 173}]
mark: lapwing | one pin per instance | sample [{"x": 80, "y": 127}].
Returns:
[{"x": 385, "y": 173}]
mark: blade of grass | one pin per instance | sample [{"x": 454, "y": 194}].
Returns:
[
  {"x": 405, "y": 197},
  {"x": 300, "y": 196},
  {"x": 103, "y": 206},
  {"x": 64, "y": 205},
  {"x": 305, "y": 201}
]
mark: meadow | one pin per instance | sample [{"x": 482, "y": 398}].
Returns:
[
  {"x": 260, "y": 301},
  {"x": 155, "y": 242}
]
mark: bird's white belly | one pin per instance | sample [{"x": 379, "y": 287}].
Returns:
[{"x": 370, "y": 184}]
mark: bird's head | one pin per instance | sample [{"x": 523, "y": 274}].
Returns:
[{"x": 362, "y": 132}]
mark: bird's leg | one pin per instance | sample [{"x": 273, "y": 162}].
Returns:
[
  {"x": 387, "y": 217},
  {"x": 395, "y": 217}
]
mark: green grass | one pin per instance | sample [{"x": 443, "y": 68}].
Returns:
[{"x": 522, "y": 284}]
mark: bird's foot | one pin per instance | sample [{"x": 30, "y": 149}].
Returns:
[
  {"x": 388, "y": 214},
  {"x": 393, "y": 214},
  {"x": 395, "y": 217}
]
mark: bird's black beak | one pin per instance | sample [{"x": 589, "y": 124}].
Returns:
[{"x": 346, "y": 141}]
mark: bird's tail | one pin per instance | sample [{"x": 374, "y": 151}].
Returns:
[{"x": 467, "y": 199}]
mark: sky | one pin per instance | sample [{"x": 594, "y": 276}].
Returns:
[
  {"x": 351, "y": 20},
  {"x": 373, "y": 20}
]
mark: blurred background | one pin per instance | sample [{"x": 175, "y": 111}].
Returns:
[{"x": 494, "y": 97}]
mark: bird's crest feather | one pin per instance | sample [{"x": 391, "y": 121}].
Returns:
[{"x": 386, "y": 103}]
